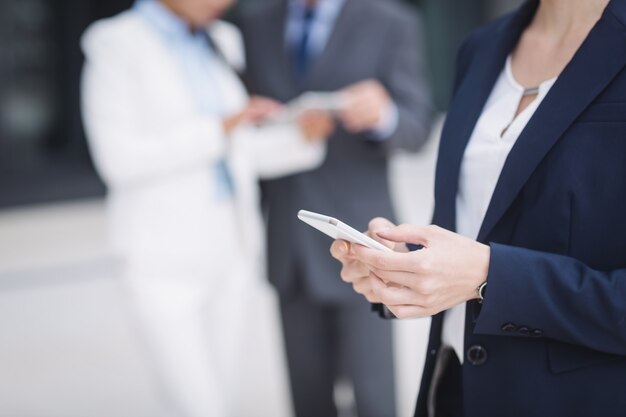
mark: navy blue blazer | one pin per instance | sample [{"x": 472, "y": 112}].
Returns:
[{"x": 552, "y": 327}]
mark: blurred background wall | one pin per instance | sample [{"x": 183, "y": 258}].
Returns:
[
  {"x": 42, "y": 149},
  {"x": 43, "y": 157},
  {"x": 68, "y": 346}
]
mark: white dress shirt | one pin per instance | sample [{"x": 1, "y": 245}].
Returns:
[{"x": 493, "y": 138}]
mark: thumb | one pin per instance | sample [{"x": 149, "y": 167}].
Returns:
[{"x": 407, "y": 233}]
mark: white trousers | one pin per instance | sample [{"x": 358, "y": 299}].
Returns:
[{"x": 213, "y": 340}]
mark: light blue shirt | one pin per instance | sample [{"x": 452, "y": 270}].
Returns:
[
  {"x": 197, "y": 61},
  {"x": 322, "y": 25}
]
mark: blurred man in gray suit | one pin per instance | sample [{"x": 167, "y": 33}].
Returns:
[{"x": 370, "y": 51}]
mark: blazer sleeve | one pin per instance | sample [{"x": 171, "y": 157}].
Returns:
[
  {"x": 404, "y": 75},
  {"x": 275, "y": 151},
  {"x": 126, "y": 149},
  {"x": 555, "y": 296}
]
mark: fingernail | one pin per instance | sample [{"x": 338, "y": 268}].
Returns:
[{"x": 342, "y": 249}]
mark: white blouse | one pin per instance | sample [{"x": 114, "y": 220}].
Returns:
[{"x": 493, "y": 138}]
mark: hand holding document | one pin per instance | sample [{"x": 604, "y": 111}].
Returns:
[
  {"x": 366, "y": 105},
  {"x": 359, "y": 107},
  {"x": 329, "y": 102}
]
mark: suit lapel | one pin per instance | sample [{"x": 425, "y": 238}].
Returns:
[
  {"x": 337, "y": 44},
  {"x": 470, "y": 98},
  {"x": 277, "y": 51},
  {"x": 601, "y": 56}
]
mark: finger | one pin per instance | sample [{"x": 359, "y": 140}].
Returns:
[
  {"x": 397, "y": 278},
  {"x": 353, "y": 271},
  {"x": 363, "y": 111},
  {"x": 363, "y": 85},
  {"x": 409, "y": 311},
  {"x": 372, "y": 297},
  {"x": 347, "y": 116},
  {"x": 363, "y": 285},
  {"x": 351, "y": 126},
  {"x": 367, "y": 106},
  {"x": 340, "y": 250},
  {"x": 379, "y": 224},
  {"x": 392, "y": 295},
  {"x": 387, "y": 261},
  {"x": 408, "y": 233},
  {"x": 358, "y": 123}
]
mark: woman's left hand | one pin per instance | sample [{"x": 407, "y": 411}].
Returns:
[{"x": 446, "y": 272}]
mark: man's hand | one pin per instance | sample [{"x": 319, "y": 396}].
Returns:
[
  {"x": 366, "y": 103},
  {"x": 316, "y": 125}
]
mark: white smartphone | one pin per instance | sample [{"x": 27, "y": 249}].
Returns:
[{"x": 339, "y": 230}]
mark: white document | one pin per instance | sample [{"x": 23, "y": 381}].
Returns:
[{"x": 309, "y": 101}]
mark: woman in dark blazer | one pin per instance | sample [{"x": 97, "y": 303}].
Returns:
[{"x": 543, "y": 280}]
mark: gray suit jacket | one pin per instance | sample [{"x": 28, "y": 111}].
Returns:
[{"x": 372, "y": 39}]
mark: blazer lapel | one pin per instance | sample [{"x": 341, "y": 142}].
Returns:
[
  {"x": 468, "y": 103},
  {"x": 601, "y": 56}
]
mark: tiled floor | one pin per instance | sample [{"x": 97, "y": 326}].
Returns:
[{"x": 67, "y": 343}]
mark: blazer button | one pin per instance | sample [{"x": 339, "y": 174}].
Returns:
[
  {"x": 537, "y": 333},
  {"x": 509, "y": 327},
  {"x": 523, "y": 330},
  {"x": 477, "y": 355}
]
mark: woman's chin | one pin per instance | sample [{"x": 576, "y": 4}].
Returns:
[{"x": 209, "y": 18}]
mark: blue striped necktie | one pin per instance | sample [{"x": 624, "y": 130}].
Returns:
[{"x": 302, "y": 52}]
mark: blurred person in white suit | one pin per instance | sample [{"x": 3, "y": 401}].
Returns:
[{"x": 175, "y": 138}]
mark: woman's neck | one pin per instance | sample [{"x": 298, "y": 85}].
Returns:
[
  {"x": 559, "y": 18},
  {"x": 556, "y": 32}
]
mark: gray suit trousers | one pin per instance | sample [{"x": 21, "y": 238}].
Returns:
[{"x": 348, "y": 341}]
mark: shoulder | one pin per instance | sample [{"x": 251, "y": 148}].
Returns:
[
  {"x": 230, "y": 43},
  {"x": 488, "y": 34},
  {"x": 113, "y": 34},
  {"x": 225, "y": 31},
  {"x": 618, "y": 10},
  {"x": 481, "y": 38}
]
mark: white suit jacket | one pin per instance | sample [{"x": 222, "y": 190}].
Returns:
[{"x": 157, "y": 155}]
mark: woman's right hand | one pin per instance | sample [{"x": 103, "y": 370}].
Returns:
[
  {"x": 355, "y": 272},
  {"x": 257, "y": 109}
]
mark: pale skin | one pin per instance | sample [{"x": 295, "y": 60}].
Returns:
[
  {"x": 450, "y": 267},
  {"x": 315, "y": 125},
  {"x": 366, "y": 102}
]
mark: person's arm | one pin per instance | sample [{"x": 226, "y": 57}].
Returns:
[
  {"x": 127, "y": 145},
  {"x": 560, "y": 296},
  {"x": 404, "y": 76},
  {"x": 277, "y": 150},
  {"x": 556, "y": 297}
]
